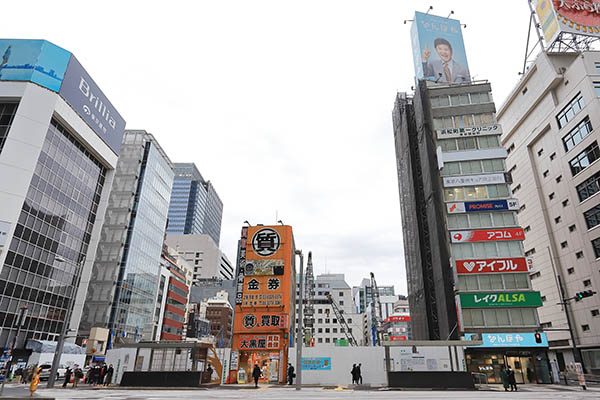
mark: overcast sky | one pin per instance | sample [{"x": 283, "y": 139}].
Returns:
[{"x": 284, "y": 105}]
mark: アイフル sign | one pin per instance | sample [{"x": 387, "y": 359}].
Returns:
[
  {"x": 487, "y": 235},
  {"x": 500, "y": 299},
  {"x": 495, "y": 265}
]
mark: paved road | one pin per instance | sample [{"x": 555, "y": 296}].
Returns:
[{"x": 267, "y": 393}]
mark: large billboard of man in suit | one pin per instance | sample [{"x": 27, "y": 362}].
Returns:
[{"x": 439, "y": 50}]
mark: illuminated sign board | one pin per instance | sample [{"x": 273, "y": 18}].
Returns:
[
  {"x": 257, "y": 321},
  {"x": 500, "y": 299},
  {"x": 482, "y": 179},
  {"x": 316, "y": 363},
  {"x": 248, "y": 342},
  {"x": 494, "y": 265},
  {"x": 397, "y": 338},
  {"x": 581, "y": 17},
  {"x": 480, "y": 130},
  {"x": 486, "y": 205},
  {"x": 397, "y": 318},
  {"x": 510, "y": 340},
  {"x": 487, "y": 235}
]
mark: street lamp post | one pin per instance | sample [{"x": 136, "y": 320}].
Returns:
[
  {"x": 60, "y": 343},
  {"x": 299, "y": 335}
]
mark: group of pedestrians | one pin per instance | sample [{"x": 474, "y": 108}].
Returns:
[
  {"x": 507, "y": 375},
  {"x": 76, "y": 373},
  {"x": 356, "y": 374},
  {"x": 24, "y": 375},
  {"x": 97, "y": 375}
]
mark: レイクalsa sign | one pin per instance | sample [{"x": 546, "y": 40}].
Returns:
[
  {"x": 500, "y": 299},
  {"x": 487, "y": 235},
  {"x": 494, "y": 265}
]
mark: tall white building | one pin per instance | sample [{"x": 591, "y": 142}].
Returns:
[
  {"x": 327, "y": 328},
  {"x": 203, "y": 255},
  {"x": 550, "y": 122}
]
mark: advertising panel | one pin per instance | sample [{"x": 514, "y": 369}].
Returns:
[
  {"x": 438, "y": 49},
  {"x": 481, "y": 130},
  {"x": 4, "y": 228},
  {"x": 262, "y": 291},
  {"x": 397, "y": 318},
  {"x": 487, "y": 235},
  {"x": 239, "y": 289},
  {"x": 316, "y": 363},
  {"x": 261, "y": 321},
  {"x": 500, "y": 299},
  {"x": 472, "y": 180},
  {"x": 487, "y": 205},
  {"x": 495, "y": 265},
  {"x": 36, "y": 61},
  {"x": 82, "y": 93},
  {"x": 471, "y": 155},
  {"x": 263, "y": 267},
  {"x": 510, "y": 340},
  {"x": 397, "y": 338},
  {"x": 580, "y": 17}
]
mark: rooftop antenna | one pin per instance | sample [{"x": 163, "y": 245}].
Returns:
[
  {"x": 430, "y": 8},
  {"x": 451, "y": 12}
]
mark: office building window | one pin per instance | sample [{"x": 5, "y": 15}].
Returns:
[
  {"x": 572, "y": 228},
  {"x": 597, "y": 66},
  {"x": 592, "y": 217},
  {"x": 564, "y": 245},
  {"x": 570, "y": 110},
  {"x": 552, "y": 156},
  {"x": 545, "y": 173},
  {"x": 576, "y": 135},
  {"x": 587, "y": 283},
  {"x": 579, "y": 254},
  {"x": 571, "y": 270},
  {"x": 585, "y": 327},
  {"x": 327, "y": 340},
  {"x": 558, "y": 179},
  {"x": 565, "y": 203},
  {"x": 557, "y": 220},
  {"x": 596, "y": 246},
  {"x": 595, "y": 313},
  {"x": 551, "y": 196},
  {"x": 7, "y": 114},
  {"x": 585, "y": 158},
  {"x": 589, "y": 187},
  {"x": 597, "y": 88}
]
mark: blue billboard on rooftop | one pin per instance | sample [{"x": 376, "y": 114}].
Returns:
[
  {"x": 56, "y": 69},
  {"x": 438, "y": 49}
]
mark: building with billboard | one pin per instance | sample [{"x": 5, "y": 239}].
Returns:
[
  {"x": 466, "y": 265},
  {"x": 264, "y": 303},
  {"x": 550, "y": 128},
  {"x": 195, "y": 206},
  {"x": 57, "y": 165},
  {"x": 125, "y": 277}
]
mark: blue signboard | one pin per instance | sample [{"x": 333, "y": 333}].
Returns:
[
  {"x": 86, "y": 98},
  {"x": 438, "y": 49},
  {"x": 491, "y": 205},
  {"x": 35, "y": 61},
  {"x": 316, "y": 363},
  {"x": 510, "y": 340}
]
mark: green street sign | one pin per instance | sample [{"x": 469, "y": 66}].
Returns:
[{"x": 500, "y": 299}]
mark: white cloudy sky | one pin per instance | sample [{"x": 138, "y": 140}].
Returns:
[{"x": 284, "y": 105}]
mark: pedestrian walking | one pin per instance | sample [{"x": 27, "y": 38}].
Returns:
[
  {"x": 77, "y": 375},
  {"x": 35, "y": 380},
  {"x": 109, "y": 374},
  {"x": 358, "y": 374},
  {"x": 504, "y": 378},
  {"x": 68, "y": 374},
  {"x": 290, "y": 373},
  {"x": 511, "y": 379},
  {"x": 256, "y": 373},
  {"x": 18, "y": 374},
  {"x": 353, "y": 373}
]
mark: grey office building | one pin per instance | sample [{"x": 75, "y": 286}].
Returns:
[
  {"x": 195, "y": 206},
  {"x": 126, "y": 271}
]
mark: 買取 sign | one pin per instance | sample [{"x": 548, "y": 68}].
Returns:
[
  {"x": 488, "y": 205},
  {"x": 500, "y": 299},
  {"x": 316, "y": 363},
  {"x": 491, "y": 129},
  {"x": 482, "y": 179},
  {"x": 509, "y": 340}
]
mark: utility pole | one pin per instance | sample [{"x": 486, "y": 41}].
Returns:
[
  {"x": 564, "y": 302},
  {"x": 299, "y": 335},
  {"x": 20, "y": 323}
]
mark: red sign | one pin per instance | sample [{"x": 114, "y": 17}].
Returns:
[
  {"x": 488, "y": 235},
  {"x": 582, "y": 12},
  {"x": 492, "y": 265},
  {"x": 252, "y": 342},
  {"x": 398, "y": 338},
  {"x": 397, "y": 318}
]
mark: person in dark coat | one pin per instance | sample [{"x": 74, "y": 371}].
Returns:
[
  {"x": 68, "y": 374},
  {"x": 353, "y": 373},
  {"x": 290, "y": 374},
  {"x": 109, "y": 374},
  {"x": 504, "y": 378},
  {"x": 256, "y": 373},
  {"x": 358, "y": 374},
  {"x": 511, "y": 379}
]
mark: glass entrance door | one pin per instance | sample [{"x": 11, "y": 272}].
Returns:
[{"x": 523, "y": 368}]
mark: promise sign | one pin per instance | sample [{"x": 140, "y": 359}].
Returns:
[
  {"x": 500, "y": 299},
  {"x": 487, "y": 235},
  {"x": 485, "y": 266}
]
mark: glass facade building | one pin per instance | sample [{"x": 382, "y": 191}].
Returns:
[
  {"x": 195, "y": 206},
  {"x": 44, "y": 261},
  {"x": 126, "y": 271}
]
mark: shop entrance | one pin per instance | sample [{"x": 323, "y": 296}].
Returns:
[
  {"x": 523, "y": 368},
  {"x": 267, "y": 361}
]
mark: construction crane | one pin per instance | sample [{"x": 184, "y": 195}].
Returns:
[
  {"x": 342, "y": 321},
  {"x": 375, "y": 307},
  {"x": 309, "y": 309}
]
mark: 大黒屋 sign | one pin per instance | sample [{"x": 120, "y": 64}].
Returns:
[
  {"x": 500, "y": 299},
  {"x": 247, "y": 342}
]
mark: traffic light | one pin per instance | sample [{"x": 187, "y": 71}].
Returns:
[
  {"x": 538, "y": 337},
  {"x": 584, "y": 294}
]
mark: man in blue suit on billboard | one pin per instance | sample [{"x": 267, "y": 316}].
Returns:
[
  {"x": 5, "y": 58},
  {"x": 445, "y": 69}
]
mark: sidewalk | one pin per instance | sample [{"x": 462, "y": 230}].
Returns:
[{"x": 543, "y": 388}]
